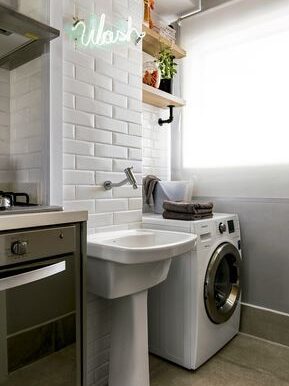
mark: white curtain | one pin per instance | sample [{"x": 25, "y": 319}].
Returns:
[{"x": 236, "y": 84}]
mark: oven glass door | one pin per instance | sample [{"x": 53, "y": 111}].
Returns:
[{"x": 38, "y": 323}]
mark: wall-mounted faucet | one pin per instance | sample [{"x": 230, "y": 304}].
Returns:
[{"x": 129, "y": 178}]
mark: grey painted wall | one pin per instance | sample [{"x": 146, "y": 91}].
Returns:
[{"x": 259, "y": 194}]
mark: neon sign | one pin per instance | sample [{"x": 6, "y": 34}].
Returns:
[{"x": 95, "y": 34}]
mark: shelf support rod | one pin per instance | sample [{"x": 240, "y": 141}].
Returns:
[{"x": 171, "y": 118}]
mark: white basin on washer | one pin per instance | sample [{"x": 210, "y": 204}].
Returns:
[
  {"x": 122, "y": 266},
  {"x": 125, "y": 262}
]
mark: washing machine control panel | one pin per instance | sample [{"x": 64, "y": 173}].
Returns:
[
  {"x": 226, "y": 226},
  {"x": 231, "y": 226},
  {"x": 222, "y": 227}
]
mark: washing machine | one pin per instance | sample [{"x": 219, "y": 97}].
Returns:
[{"x": 196, "y": 311}]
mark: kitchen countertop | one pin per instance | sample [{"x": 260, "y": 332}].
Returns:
[{"x": 29, "y": 220}]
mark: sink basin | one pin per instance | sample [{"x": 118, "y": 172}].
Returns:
[
  {"x": 138, "y": 245},
  {"x": 125, "y": 262},
  {"x": 122, "y": 265}
]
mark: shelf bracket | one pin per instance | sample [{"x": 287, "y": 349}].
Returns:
[{"x": 171, "y": 118}]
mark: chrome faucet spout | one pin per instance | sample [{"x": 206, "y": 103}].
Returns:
[{"x": 130, "y": 178}]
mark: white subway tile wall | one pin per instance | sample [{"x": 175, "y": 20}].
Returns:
[
  {"x": 106, "y": 129},
  {"x": 156, "y": 138},
  {"x": 38, "y": 9},
  {"x": 26, "y": 125},
  {"x": 102, "y": 115},
  {"x": 21, "y": 129},
  {"x": 5, "y": 172},
  {"x": 156, "y": 143},
  {"x": 102, "y": 136}
]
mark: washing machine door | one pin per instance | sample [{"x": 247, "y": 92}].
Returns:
[{"x": 222, "y": 283}]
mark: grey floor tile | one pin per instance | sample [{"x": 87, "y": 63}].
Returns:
[
  {"x": 58, "y": 369},
  {"x": 245, "y": 361}
]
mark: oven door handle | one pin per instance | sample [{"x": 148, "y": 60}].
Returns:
[{"x": 31, "y": 276}]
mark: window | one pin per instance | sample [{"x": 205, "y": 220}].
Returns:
[{"x": 236, "y": 84}]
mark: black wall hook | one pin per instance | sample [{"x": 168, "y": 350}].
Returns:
[{"x": 171, "y": 118}]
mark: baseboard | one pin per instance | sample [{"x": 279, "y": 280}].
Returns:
[{"x": 265, "y": 324}]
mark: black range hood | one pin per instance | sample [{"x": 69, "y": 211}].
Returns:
[{"x": 21, "y": 38}]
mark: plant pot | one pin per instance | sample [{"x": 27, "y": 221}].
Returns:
[
  {"x": 151, "y": 74},
  {"x": 166, "y": 85}
]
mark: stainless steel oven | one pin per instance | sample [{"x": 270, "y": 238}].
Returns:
[{"x": 41, "y": 307}]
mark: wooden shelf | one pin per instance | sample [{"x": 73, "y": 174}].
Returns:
[
  {"x": 154, "y": 42},
  {"x": 158, "y": 98}
]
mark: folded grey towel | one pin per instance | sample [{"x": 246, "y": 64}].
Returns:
[
  {"x": 185, "y": 216},
  {"x": 149, "y": 184},
  {"x": 193, "y": 207}
]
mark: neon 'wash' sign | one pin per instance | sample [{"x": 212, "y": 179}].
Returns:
[{"x": 94, "y": 33}]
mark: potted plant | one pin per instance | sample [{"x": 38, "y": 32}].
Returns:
[{"x": 168, "y": 69}]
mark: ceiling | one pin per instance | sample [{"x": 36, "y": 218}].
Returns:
[{"x": 171, "y": 10}]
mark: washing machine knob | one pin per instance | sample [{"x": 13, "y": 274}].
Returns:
[{"x": 222, "y": 227}]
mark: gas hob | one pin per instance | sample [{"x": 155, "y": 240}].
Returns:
[{"x": 19, "y": 203}]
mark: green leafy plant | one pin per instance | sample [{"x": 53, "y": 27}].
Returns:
[{"x": 166, "y": 64}]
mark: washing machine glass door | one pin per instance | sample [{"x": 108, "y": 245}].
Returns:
[{"x": 222, "y": 283}]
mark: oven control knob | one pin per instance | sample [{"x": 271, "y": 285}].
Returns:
[
  {"x": 19, "y": 247},
  {"x": 222, "y": 227}
]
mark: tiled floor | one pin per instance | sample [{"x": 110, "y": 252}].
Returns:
[
  {"x": 245, "y": 361},
  {"x": 57, "y": 369}
]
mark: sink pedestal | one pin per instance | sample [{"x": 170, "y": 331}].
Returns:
[
  {"x": 129, "y": 362},
  {"x": 123, "y": 265}
]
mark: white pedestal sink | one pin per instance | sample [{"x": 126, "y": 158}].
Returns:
[{"x": 122, "y": 265}]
